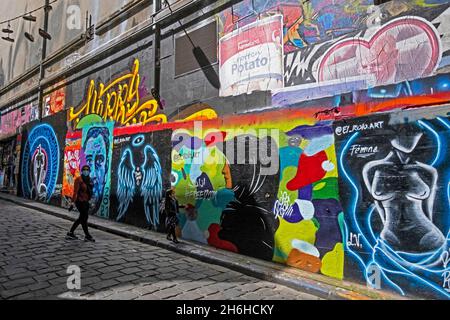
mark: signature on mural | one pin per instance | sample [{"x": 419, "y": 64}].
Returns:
[
  {"x": 445, "y": 257},
  {"x": 119, "y": 101},
  {"x": 354, "y": 240}
]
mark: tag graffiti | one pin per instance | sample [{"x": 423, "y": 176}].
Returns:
[{"x": 119, "y": 101}]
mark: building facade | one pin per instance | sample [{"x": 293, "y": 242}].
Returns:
[{"x": 309, "y": 133}]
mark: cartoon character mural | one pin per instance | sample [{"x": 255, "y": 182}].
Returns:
[
  {"x": 310, "y": 233},
  {"x": 393, "y": 183},
  {"x": 137, "y": 180},
  {"x": 40, "y": 163},
  {"x": 96, "y": 151}
]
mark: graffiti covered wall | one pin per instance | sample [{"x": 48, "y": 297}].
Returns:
[
  {"x": 268, "y": 190},
  {"x": 42, "y": 160},
  {"x": 314, "y": 186},
  {"x": 393, "y": 186},
  {"x": 140, "y": 173}
]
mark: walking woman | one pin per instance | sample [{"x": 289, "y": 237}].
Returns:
[
  {"x": 82, "y": 193},
  {"x": 172, "y": 208}
]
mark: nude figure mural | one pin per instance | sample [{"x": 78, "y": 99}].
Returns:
[
  {"x": 403, "y": 191},
  {"x": 394, "y": 187}
]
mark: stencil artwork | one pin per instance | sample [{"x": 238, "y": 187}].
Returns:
[{"x": 394, "y": 185}]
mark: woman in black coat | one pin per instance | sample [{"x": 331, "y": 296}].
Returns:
[{"x": 172, "y": 208}]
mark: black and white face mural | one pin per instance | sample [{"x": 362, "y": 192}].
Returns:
[{"x": 394, "y": 186}]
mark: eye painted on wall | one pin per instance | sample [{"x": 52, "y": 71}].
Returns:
[
  {"x": 174, "y": 178},
  {"x": 138, "y": 141}
]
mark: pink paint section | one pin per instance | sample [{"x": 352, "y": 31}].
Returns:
[{"x": 404, "y": 49}]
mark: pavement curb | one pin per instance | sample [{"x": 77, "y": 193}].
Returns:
[{"x": 222, "y": 258}]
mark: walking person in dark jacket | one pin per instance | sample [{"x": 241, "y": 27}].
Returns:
[
  {"x": 81, "y": 195},
  {"x": 172, "y": 209}
]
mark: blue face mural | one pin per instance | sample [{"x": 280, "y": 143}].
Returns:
[
  {"x": 139, "y": 175},
  {"x": 96, "y": 154},
  {"x": 40, "y": 163},
  {"x": 395, "y": 188}
]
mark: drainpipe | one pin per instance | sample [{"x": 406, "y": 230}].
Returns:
[
  {"x": 157, "y": 48},
  {"x": 44, "y": 54}
]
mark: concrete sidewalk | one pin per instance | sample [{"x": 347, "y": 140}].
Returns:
[{"x": 315, "y": 284}]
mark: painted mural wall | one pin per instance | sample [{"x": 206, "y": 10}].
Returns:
[
  {"x": 343, "y": 186},
  {"x": 267, "y": 190},
  {"x": 139, "y": 176},
  {"x": 394, "y": 184},
  {"x": 41, "y": 164}
]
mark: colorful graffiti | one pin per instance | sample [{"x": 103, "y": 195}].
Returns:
[
  {"x": 404, "y": 43},
  {"x": 227, "y": 196},
  {"x": 305, "y": 22},
  {"x": 40, "y": 163},
  {"x": 55, "y": 101},
  {"x": 96, "y": 152},
  {"x": 385, "y": 57},
  {"x": 13, "y": 120},
  {"x": 139, "y": 176},
  {"x": 310, "y": 233},
  {"x": 119, "y": 101},
  {"x": 236, "y": 202},
  {"x": 72, "y": 160},
  {"x": 396, "y": 201},
  {"x": 143, "y": 177}
]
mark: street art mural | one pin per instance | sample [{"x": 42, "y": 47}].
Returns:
[
  {"x": 376, "y": 56},
  {"x": 119, "y": 101},
  {"x": 394, "y": 188},
  {"x": 12, "y": 120},
  {"x": 227, "y": 187},
  {"x": 310, "y": 233},
  {"x": 304, "y": 22},
  {"x": 40, "y": 163},
  {"x": 96, "y": 152},
  {"x": 283, "y": 207},
  {"x": 72, "y": 160},
  {"x": 403, "y": 49},
  {"x": 55, "y": 101},
  {"x": 137, "y": 180}
]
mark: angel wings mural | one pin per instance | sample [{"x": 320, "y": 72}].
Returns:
[{"x": 139, "y": 179}]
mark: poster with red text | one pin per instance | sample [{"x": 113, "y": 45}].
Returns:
[{"x": 251, "y": 58}]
